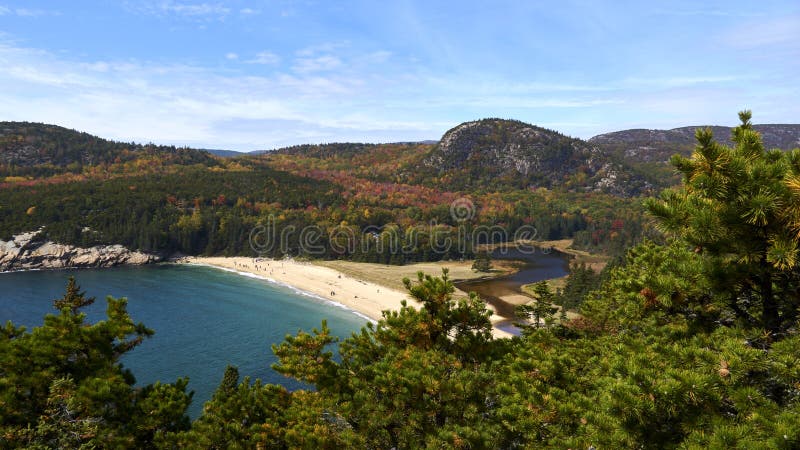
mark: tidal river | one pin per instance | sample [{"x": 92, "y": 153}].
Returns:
[
  {"x": 535, "y": 265},
  {"x": 204, "y": 318}
]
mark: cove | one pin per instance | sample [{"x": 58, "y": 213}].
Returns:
[{"x": 204, "y": 319}]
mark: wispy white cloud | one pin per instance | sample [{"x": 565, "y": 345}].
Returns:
[
  {"x": 189, "y": 10},
  {"x": 491, "y": 87},
  {"x": 323, "y": 48},
  {"x": 706, "y": 12},
  {"x": 182, "y": 104},
  {"x": 364, "y": 85},
  {"x": 680, "y": 81},
  {"x": 479, "y": 100},
  {"x": 200, "y": 106},
  {"x": 265, "y": 57},
  {"x": 27, "y": 12},
  {"x": 316, "y": 64},
  {"x": 766, "y": 33},
  {"x": 378, "y": 57}
]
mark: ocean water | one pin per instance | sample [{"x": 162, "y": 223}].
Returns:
[{"x": 204, "y": 318}]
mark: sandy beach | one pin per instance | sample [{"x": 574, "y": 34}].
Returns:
[
  {"x": 361, "y": 296},
  {"x": 364, "y": 297}
]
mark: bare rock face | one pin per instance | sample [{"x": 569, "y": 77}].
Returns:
[
  {"x": 25, "y": 252},
  {"x": 499, "y": 152}
]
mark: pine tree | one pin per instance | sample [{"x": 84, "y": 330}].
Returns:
[
  {"x": 62, "y": 385},
  {"x": 740, "y": 207},
  {"x": 417, "y": 378},
  {"x": 581, "y": 280},
  {"x": 482, "y": 263},
  {"x": 541, "y": 311},
  {"x": 74, "y": 298}
]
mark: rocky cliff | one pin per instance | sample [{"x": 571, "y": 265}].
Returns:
[
  {"x": 498, "y": 152},
  {"x": 25, "y": 251}
]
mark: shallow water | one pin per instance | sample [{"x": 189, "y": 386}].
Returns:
[{"x": 535, "y": 265}]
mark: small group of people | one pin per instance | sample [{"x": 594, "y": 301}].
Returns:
[{"x": 256, "y": 266}]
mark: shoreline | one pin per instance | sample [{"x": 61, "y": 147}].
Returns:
[
  {"x": 292, "y": 288},
  {"x": 334, "y": 287},
  {"x": 363, "y": 298}
]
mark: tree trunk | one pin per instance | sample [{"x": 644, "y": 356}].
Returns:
[{"x": 769, "y": 313}]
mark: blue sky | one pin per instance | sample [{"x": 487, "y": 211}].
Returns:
[{"x": 248, "y": 75}]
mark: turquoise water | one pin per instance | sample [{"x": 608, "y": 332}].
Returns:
[{"x": 204, "y": 318}]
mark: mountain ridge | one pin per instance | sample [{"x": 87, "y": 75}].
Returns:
[
  {"x": 655, "y": 145},
  {"x": 483, "y": 154},
  {"x": 515, "y": 154}
]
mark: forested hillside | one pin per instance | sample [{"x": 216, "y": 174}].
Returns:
[
  {"x": 85, "y": 190},
  {"x": 166, "y": 200},
  {"x": 35, "y": 149},
  {"x": 690, "y": 343}
]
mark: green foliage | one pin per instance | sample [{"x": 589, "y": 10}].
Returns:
[
  {"x": 482, "y": 263},
  {"x": 649, "y": 365},
  {"x": 689, "y": 343},
  {"x": 186, "y": 212},
  {"x": 540, "y": 312},
  {"x": 580, "y": 282},
  {"x": 61, "y": 385},
  {"x": 657, "y": 285},
  {"x": 34, "y": 149},
  {"x": 73, "y": 299},
  {"x": 250, "y": 415},
  {"x": 739, "y": 208},
  {"x": 87, "y": 191},
  {"x": 659, "y": 391},
  {"x": 417, "y": 378}
]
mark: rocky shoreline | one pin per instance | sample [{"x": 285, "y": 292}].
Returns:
[{"x": 26, "y": 252}]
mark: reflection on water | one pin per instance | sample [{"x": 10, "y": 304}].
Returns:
[{"x": 535, "y": 265}]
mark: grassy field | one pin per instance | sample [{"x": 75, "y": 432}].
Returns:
[
  {"x": 554, "y": 283},
  {"x": 596, "y": 262},
  {"x": 392, "y": 276}
]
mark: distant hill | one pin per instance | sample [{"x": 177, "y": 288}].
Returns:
[
  {"x": 483, "y": 155},
  {"x": 224, "y": 153},
  {"x": 499, "y": 152},
  {"x": 642, "y": 145},
  {"x": 38, "y": 149},
  {"x": 87, "y": 190},
  {"x": 339, "y": 149},
  {"x": 234, "y": 153}
]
